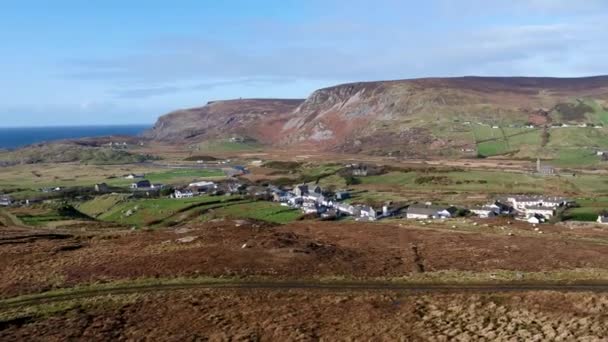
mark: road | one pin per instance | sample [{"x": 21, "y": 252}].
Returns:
[{"x": 84, "y": 293}]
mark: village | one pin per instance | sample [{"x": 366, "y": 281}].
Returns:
[{"x": 314, "y": 201}]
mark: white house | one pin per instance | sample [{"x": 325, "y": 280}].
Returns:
[
  {"x": 535, "y": 219},
  {"x": 346, "y": 208},
  {"x": 521, "y": 202},
  {"x": 429, "y": 212},
  {"x": 295, "y": 201},
  {"x": 485, "y": 211},
  {"x": 5, "y": 201},
  {"x": 179, "y": 194},
  {"x": 544, "y": 211},
  {"x": 367, "y": 212},
  {"x": 203, "y": 186}
]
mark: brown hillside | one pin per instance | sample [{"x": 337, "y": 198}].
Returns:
[
  {"x": 248, "y": 117},
  {"x": 412, "y": 117}
]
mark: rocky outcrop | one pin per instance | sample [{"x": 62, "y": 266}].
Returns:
[{"x": 253, "y": 118}]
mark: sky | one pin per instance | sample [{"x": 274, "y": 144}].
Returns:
[{"x": 75, "y": 62}]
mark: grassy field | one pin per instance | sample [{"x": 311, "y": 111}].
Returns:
[
  {"x": 588, "y": 137},
  {"x": 588, "y": 209},
  {"x": 44, "y": 215},
  {"x": 573, "y": 157},
  {"x": 174, "y": 176},
  {"x": 497, "y": 141},
  {"x": 147, "y": 211},
  {"x": 28, "y": 179},
  {"x": 488, "y": 182},
  {"x": 222, "y": 146},
  {"x": 101, "y": 204},
  {"x": 263, "y": 211},
  {"x": 492, "y": 148}
]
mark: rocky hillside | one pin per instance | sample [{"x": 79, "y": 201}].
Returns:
[
  {"x": 258, "y": 119},
  {"x": 410, "y": 117}
]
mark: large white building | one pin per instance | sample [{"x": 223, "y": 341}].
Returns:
[
  {"x": 423, "y": 212},
  {"x": 521, "y": 202},
  {"x": 179, "y": 194}
]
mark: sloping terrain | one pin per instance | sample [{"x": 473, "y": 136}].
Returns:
[
  {"x": 300, "y": 250},
  {"x": 437, "y": 116},
  {"x": 71, "y": 151},
  {"x": 249, "y": 118},
  {"x": 417, "y": 116}
]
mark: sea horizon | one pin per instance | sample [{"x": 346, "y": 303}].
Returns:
[{"x": 14, "y": 137}]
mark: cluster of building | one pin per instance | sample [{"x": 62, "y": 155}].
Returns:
[
  {"x": 207, "y": 188},
  {"x": 311, "y": 199},
  {"x": 531, "y": 208},
  {"x": 194, "y": 189},
  {"x": 145, "y": 185}
]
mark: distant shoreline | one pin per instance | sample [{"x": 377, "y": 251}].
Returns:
[{"x": 15, "y": 137}]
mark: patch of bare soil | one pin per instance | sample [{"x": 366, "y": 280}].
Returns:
[
  {"x": 302, "y": 250},
  {"x": 301, "y": 315}
]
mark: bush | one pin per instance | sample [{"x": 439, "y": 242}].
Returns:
[{"x": 350, "y": 180}]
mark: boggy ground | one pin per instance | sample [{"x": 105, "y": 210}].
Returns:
[
  {"x": 36, "y": 261},
  {"x": 319, "y": 315}
]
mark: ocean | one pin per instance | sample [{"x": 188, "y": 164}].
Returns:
[{"x": 22, "y": 136}]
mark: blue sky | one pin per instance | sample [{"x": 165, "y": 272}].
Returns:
[{"x": 121, "y": 62}]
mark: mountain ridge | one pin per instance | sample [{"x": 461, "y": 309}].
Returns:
[{"x": 404, "y": 117}]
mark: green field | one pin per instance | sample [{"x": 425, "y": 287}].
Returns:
[
  {"x": 497, "y": 141},
  {"x": 587, "y": 209},
  {"x": 51, "y": 215},
  {"x": 587, "y": 137},
  {"x": 492, "y": 148},
  {"x": 148, "y": 211},
  {"x": 484, "y": 182},
  {"x": 101, "y": 204},
  {"x": 173, "y": 176},
  {"x": 263, "y": 211},
  {"x": 221, "y": 146},
  {"x": 574, "y": 157}
]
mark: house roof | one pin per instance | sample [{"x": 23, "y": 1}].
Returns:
[
  {"x": 538, "y": 207},
  {"x": 428, "y": 209},
  {"x": 531, "y": 198},
  {"x": 345, "y": 207}
]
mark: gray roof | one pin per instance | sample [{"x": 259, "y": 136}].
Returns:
[
  {"x": 425, "y": 209},
  {"x": 538, "y": 207},
  {"x": 530, "y": 198}
]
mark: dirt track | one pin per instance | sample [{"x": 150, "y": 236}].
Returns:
[{"x": 333, "y": 287}]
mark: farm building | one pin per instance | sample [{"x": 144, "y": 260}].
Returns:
[
  {"x": 179, "y": 194},
  {"x": 144, "y": 184},
  {"x": 5, "y": 201},
  {"x": 429, "y": 212}
]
